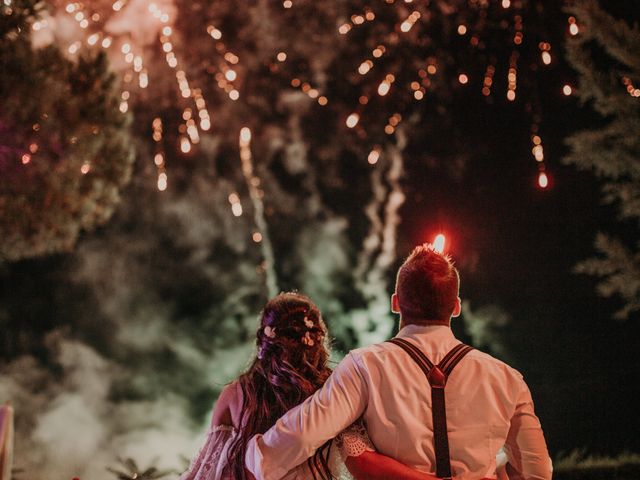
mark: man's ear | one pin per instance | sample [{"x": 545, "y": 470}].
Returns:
[
  {"x": 458, "y": 308},
  {"x": 395, "y": 305}
]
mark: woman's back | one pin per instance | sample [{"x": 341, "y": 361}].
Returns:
[
  {"x": 211, "y": 463},
  {"x": 291, "y": 364}
]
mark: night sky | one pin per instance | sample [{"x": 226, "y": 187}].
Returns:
[{"x": 516, "y": 246}]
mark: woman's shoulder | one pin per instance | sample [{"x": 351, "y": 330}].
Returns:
[{"x": 228, "y": 406}]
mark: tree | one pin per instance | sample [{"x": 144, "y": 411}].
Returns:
[
  {"x": 65, "y": 149},
  {"x": 611, "y": 151}
]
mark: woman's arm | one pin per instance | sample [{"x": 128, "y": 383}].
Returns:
[
  {"x": 362, "y": 460},
  {"x": 210, "y": 458},
  {"x": 227, "y": 401},
  {"x": 225, "y": 411},
  {"x": 375, "y": 466}
]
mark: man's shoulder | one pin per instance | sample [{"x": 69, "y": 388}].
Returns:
[
  {"x": 491, "y": 362},
  {"x": 372, "y": 350},
  {"x": 481, "y": 359}
]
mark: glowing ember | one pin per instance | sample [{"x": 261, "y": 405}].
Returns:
[
  {"x": 438, "y": 243},
  {"x": 352, "y": 120},
  {"x": 543, "y": 180}
]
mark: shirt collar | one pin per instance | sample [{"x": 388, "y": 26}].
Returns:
[{"x": 413, "y": 330}]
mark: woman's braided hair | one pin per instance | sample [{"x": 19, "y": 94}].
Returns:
[{"x": 291, "y": 364}]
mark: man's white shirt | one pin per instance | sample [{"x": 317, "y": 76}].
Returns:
[{"x": 488, "y": 406}]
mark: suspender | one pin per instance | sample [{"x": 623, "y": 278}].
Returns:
[{"x": 437, "y": 376}]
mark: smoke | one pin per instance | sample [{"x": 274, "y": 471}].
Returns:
[
  {"x": 76, "y": 429},
  {"x": 486, "y": 326},
  {"x": 379, "y": 247},
  {"x": 163, "y": 324},
  {"x": 170, "y": 289}
]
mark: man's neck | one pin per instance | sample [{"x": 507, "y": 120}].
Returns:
[{"x": 424, "y": 322}]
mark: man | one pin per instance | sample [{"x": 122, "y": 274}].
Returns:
[{"x": 488, "y": 404}]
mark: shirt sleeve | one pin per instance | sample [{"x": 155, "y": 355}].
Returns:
[
  {"x": 302, "y": 430},
  {"x": 525, "y": 446}
]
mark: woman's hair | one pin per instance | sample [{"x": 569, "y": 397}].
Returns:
[{"x": 290, "y": 366}]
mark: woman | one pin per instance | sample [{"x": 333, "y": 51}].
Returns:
[{"x": 291, "y": 365}]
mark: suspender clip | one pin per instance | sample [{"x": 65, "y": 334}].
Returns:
[{"x": 437, "y": 378}]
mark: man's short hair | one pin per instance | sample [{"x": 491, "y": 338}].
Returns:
[{"x": 427, "y": 286}]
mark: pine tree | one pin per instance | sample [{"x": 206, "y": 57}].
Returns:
[
  {"x": 65, "y": 151},
  {"x": 611, "y": 151}
]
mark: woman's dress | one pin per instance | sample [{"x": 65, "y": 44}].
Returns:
[{"x": 210, "y": 462}]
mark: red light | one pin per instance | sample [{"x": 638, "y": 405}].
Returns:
[{"x": 543, "y": 180}]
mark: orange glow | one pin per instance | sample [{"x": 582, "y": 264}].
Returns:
[
  {"x": 463, "y": 79},
  {"x": 438, "y": 243},
  {"x": 162, "y": 182},
  {"x": 573, "y": 26},
  {"x": 462, "y": 29},
  {"x": 406, "y": 26},
  {"x": 538, "y": 153},
  {"x": 236, "y": 209},
  {"x": 185, "y": 145},
  {"x": 543, "y": 180},
  {"x": 374, "y": 155},
  {"x": 567, "y": 90},
  {"x": 245, "y": 136},
  {"x": 365, "y": 67},
  {"x": 352, "y": 120}
]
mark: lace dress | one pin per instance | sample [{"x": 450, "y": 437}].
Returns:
[{"x": 210, "y": 462}]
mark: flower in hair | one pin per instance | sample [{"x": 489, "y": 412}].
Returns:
[
  {"x": 307, "y": 340},
  {"x": 270, "y": 332},
  {"x": 308, "y": 322}
]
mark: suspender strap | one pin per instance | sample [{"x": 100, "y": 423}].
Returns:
[{"x": 437, "y": 376}]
